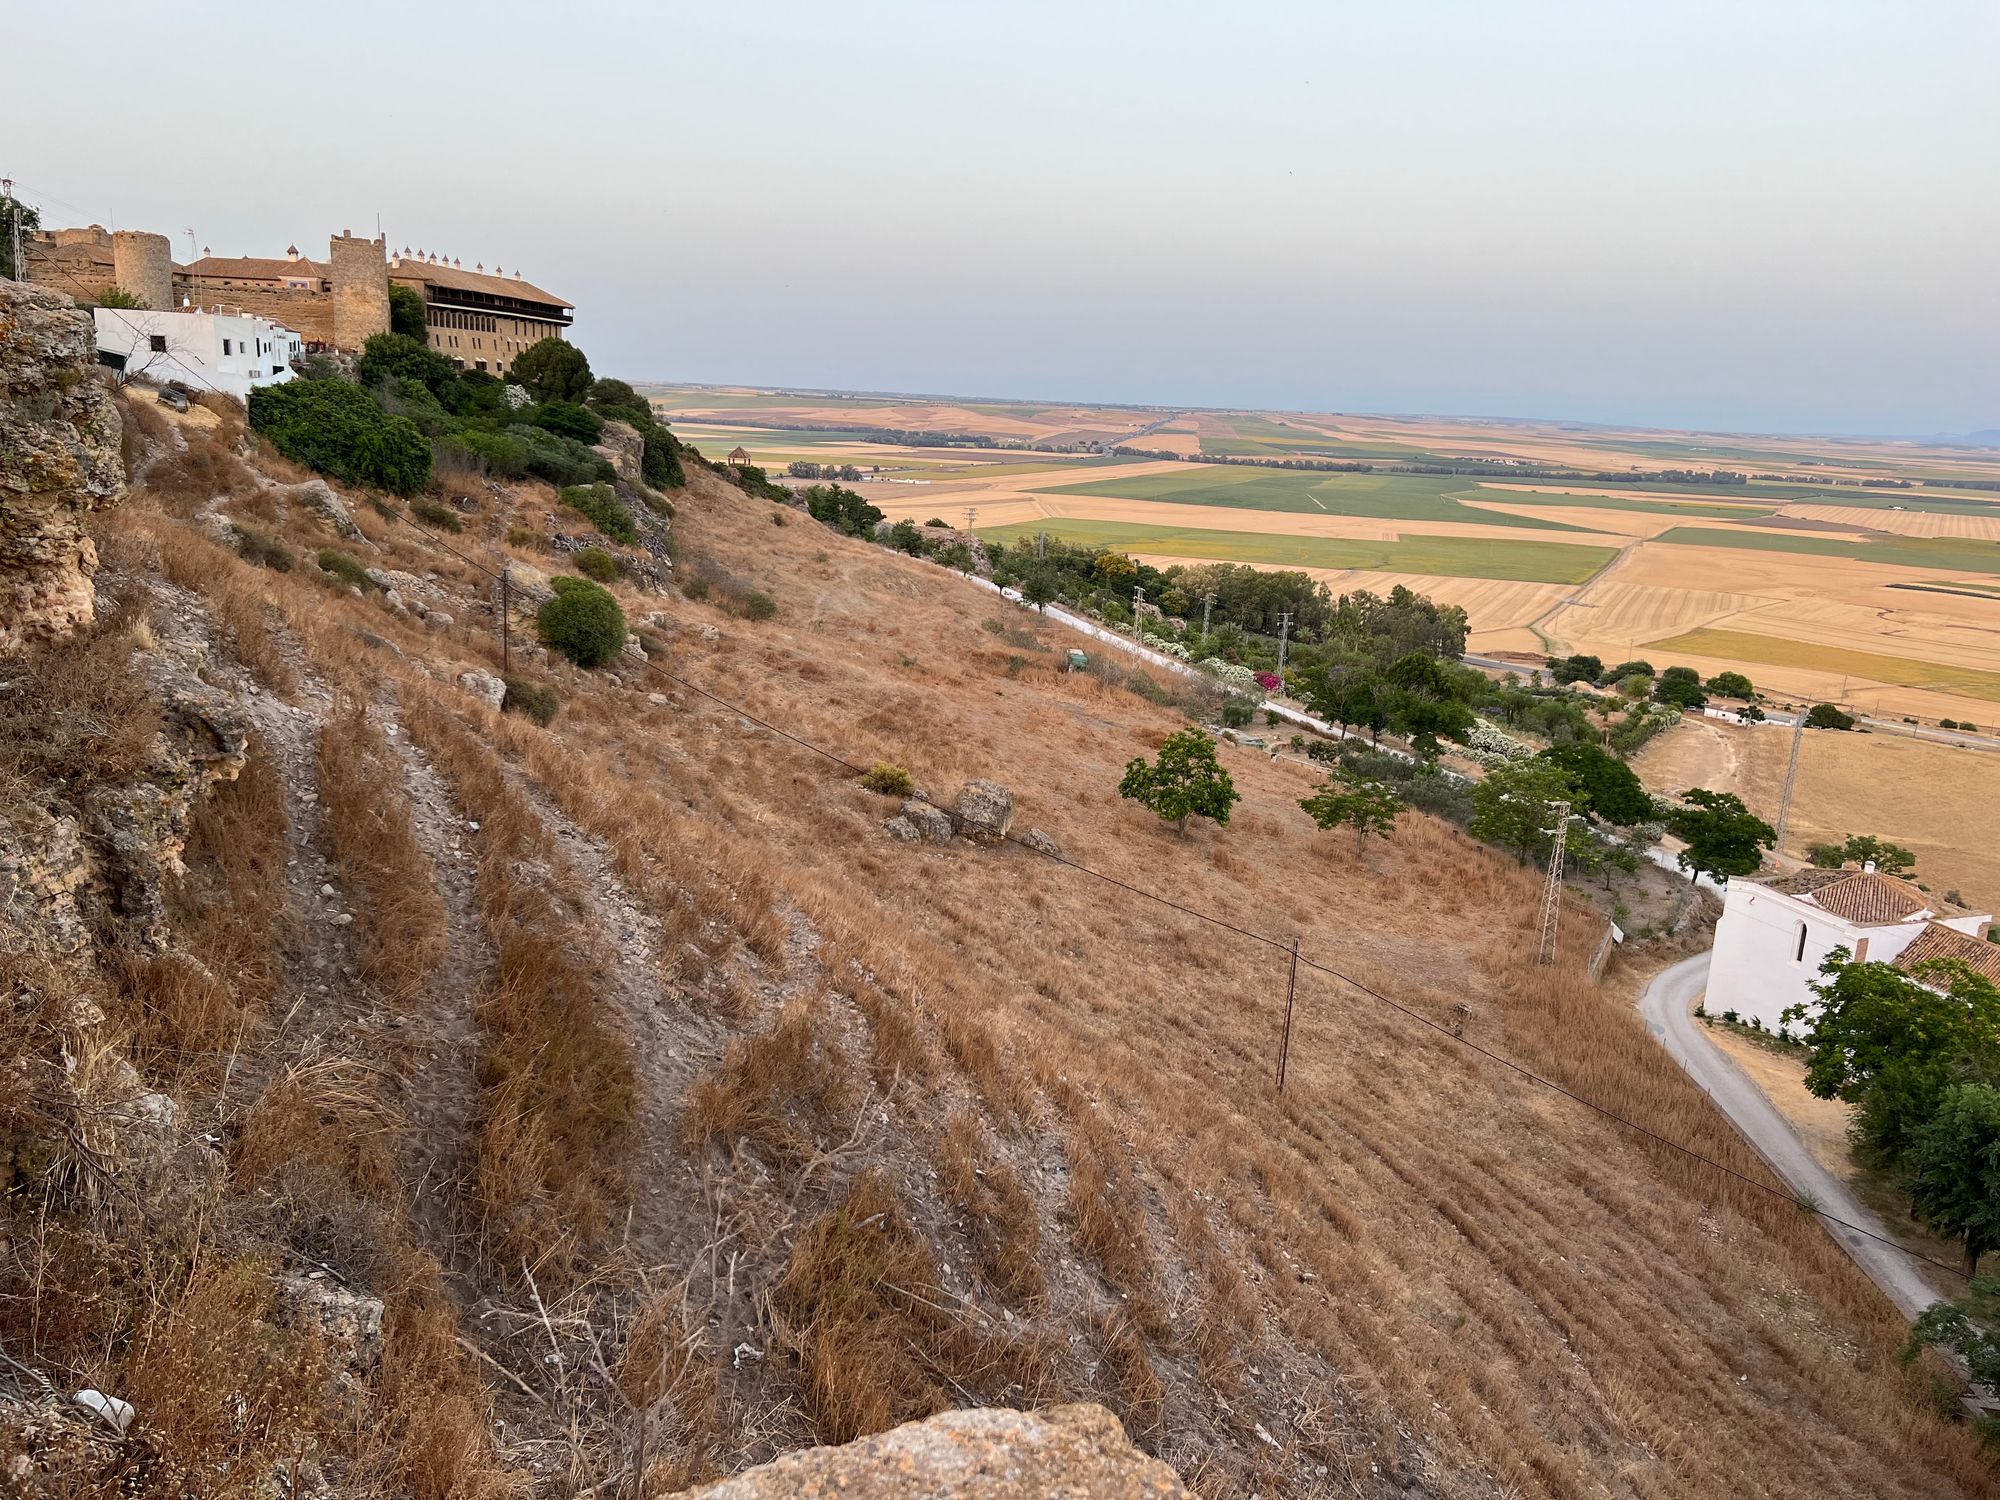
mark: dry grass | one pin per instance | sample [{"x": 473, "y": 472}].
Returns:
[
  {"x": 392, "y": 883},
  {"x": 556, "y": 1092},
  {"x": 75, "y": 712},
  {"x": 1000, "y": 1217},
  {"x": 785, "y": 1091}
]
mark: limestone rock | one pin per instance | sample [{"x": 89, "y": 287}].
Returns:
[
  {"x": 933, "y": 824},
  {"x": 983, "y": 811},
  {"x": 901, "y": 829},
  {"x": 350, "y": 1322},
  {"x": 483, "y": 685},
  {"x": 318, "y": 495},
  {"x": 625, "y": 450},
  {"x": 1064, "y": 1453},
  {"x": 43, "y": 867},
  {"x": 59, "y": 461},
  {"x": 1041, "y": 843}
]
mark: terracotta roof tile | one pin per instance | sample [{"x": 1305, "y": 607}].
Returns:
[
  {"x": 255, "y": 268},
  {"x": 1938, "y": 941},
  {"x": 452, "y": 278},
  {"x": 1870, "y": 899}
]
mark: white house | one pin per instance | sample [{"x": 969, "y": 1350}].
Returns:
[
  {"x": 227, "y": 352},
  {"x": 1775, "y": 934}
]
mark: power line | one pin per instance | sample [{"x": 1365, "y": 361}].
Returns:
[{"x": 1290, "y": 949}]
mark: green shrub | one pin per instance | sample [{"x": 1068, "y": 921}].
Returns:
[
  {"x": 660, "y": 465},
  {"x": 1827, "y": 716},
  {"x": 695, "y": 588},
  {"x": 345, "y": 568},
  {"x": 560, "y": 460},
  {"x": 599, "y": 503},
  {"x": 595, "y": 562},
  {"x": 431, "y": 513},
  {"x": 263, "y": 549},
  {"x": 475, "y": 452},
  {"x": 757, "y": 605},
  {"x": 537, "y": 700},
  {"x": 389, "y": 357},
  {"x": 407, "y": 315},
  {"x": 890, "y": 781},
  {"x": 525, "y": 536},
  {"x": 566, "y": 419},
  {"x": 338, "y": 429},
  {"x": 583, "y": 622},
  {"x": 1235, "y": 714},
  {"x": 552, "y": 370}
]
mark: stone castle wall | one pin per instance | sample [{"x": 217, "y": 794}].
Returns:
[
  {"x": 359, "y": 271},
  {"x": 143, "y": 264},
  {"x": 308, "y": 314}
]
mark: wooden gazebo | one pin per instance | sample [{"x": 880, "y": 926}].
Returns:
[{"x": 738, "y": 459}]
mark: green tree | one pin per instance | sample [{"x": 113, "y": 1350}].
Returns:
[
  {"x": 337, "y": 429},
  {"x": 1731, "y": 685},
  {"x": 552, "y": 370},
  {"x": 567, "y": 419},
  {"x": 1039, "y": 589},
  {"x": 1892, "y": 1044},
  {"x": 1955, "y": 1169},
  {"x": 1514, "y": 807},
  {"x": 1427, "y": 720},
  {"x": 117, "y": 296},
  {"x": 1827, "y": 716},
  {"x": 616, "y": 398},
  {"x": 1114, "y": 568},
  {"x": 1570, "y": 669},
  {"x": 1605, "y": 787},
  {"x": 1626, "y": 669},
  {"x": 1680, "y": 687},
  {"x": 1964, "y": 1327},
  {"x": 1723, "y": 837},
  {"x": 583, "y": 622},
  {"x": 1826, "y": 856},
  {"x": 1367, "y": 807},
  {"x": 1864, "y": 849},
  {"x": 1185, "y": 782},
  {"x": 408, "y": 316},
  {"x": 389, "y": 357}
]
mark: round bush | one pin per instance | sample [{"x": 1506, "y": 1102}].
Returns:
[
  {"x": 583, "y": 622},
  {"x": 595, "y": 562}
]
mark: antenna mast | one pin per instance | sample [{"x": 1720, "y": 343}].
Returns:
[{"x": 1545, "y": 949}]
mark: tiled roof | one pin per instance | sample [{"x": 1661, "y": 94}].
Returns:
[
  {"x": 1869, "y": 898},
  {"x": 1939, "y": 941},
  {"x": 453, "y": 279},
  {"x": 254, "y": 268}
]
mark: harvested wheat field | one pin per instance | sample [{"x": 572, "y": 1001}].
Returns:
[
  {"x": 650, "y": 1075},
  {"x": 1942, "y": 802}
]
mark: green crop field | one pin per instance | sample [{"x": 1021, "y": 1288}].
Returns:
[
  {"x": 1910, "y": 500},
  {"x": 1947, "y": 553},
  {"x": 1582, "y": 499},
  {"x": 1439, "y": 556},
  {"x": 1395, "y": 497},
  {"x": 1775, "y": 651}
]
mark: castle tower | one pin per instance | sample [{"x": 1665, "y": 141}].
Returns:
[
  {"x": 360, "y": 276},
  {"x": 94, "y": 235},
  {"x": 143, "y": 264}
]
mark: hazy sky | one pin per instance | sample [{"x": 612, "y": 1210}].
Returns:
[{"x": 1753, "y": 214}]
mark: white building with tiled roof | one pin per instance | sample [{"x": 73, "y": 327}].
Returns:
[{"x": 1775, "y": 934}]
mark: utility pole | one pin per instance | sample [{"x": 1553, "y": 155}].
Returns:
[
  {"x": 1791, "y": 778},
  {"x": 971, "y": 515},
  {"x": 1284, "y": 631},
  {"x": 15, "y": 267},
  {"x": 1041, "y": 545},
  {"x": 1291, "y": 994},
  {"x": 1138, "y": 598},
  {"x": 1545, "y": 948},
  {"x": 1207, "y": 603}
]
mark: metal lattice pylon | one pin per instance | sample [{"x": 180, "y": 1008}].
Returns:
[{"x": 1545, "y": 948}]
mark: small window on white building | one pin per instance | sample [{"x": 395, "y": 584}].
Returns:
[
  {"x": 1799, "y": 952},
  {"x": 225, "y": 348},
  {"x": 158, "y": 342}
]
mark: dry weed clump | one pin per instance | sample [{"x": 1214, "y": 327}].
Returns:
[
  {"x": 784, "y": 1091},
  {"x": 76, "y": 714},
  {"x": 400, "y": 915},
  {"x": 556, "y": 1089},
  {"x": 1005, "y": 1230}
]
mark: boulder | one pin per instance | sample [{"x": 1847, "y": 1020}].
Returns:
[
  {"x": 991, "y": 1453},
  {"x": 59, "y": 460},
  {"x": 983, "y": 811},
  {"x": 350, "y": 1322},
  {"x": 483, "y": 685},
  {"x": 933, "y": 824},
  {"x": 1041, "y": 843},
  {"x": 317, "y": 495},
  {"x": 900, "y": 828}
]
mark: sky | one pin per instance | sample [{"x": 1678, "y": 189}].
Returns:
[{"x": 1758, "y": 215}]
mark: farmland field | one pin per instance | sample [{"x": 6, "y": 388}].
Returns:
[
  {"x": 1459, "y": 557},
  {"x": 1787, "y": 558}
]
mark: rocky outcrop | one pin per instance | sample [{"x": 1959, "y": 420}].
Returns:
[
  {"x": 1064, "y": 1453},
  {"x": 625, "y": 450},
  {"x": 43, "y": 869},
  {"x": 484, "y": 685},
  {"x": 983, "y": 811},
  {"x": 59, "y": 461}
]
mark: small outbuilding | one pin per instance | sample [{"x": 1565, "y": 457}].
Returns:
[
  {"x": 738, "y": 459},
  {"x": 208, "y": 351}
]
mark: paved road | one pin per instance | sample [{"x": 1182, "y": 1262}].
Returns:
[{"x": 1668, "y": 1008}]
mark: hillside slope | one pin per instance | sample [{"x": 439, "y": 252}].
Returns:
[{"x": 678, "y": 1116}]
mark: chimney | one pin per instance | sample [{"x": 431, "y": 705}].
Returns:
[{"x": 1867, "y": 867}]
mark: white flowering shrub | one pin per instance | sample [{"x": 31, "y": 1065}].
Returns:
[
  {"x": 1491, "y": 746},
  {"x": 1166, "y": 647},
  {"x": 1232, "y": 673}
]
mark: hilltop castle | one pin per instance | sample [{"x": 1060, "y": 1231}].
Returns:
[{"x": 480, "y": 320}]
